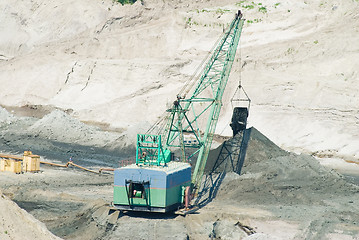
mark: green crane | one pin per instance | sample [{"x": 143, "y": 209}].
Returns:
[
  {"x": 198, "y": 104},
  {"x": 205, "y": 101}
]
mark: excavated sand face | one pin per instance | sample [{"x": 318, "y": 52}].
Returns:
[{"x": 122, "y": 65}]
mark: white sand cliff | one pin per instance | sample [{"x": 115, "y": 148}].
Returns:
[{"x": 121, "y": 65}]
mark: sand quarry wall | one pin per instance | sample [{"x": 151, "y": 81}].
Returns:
[{"x": 123, "y": 65}]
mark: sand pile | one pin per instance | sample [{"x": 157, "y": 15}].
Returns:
[
  {"x": 285, "y": 180},
  {"x": 277, "y": 176},
  {"x": 295, "y": 188},
  {"x": 59, "y": 136},
  {"x": 256, "y": 148},
  {"x": 16, "y": 223},
  {"x": 61, "y": 127}
]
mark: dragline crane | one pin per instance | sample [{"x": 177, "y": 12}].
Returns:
[{"x": 162, "y": 179}]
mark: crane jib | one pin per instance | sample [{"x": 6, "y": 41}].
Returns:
[
  {"x": 208, "y": 92},
  {"x": 224, "y": 54}
]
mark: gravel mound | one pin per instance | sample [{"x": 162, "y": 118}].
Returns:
[
  {"x": 59, "y": 136},
  {"x": 271, "y": 175},
  {"x": 59, "y": 126},
  {"x": 293, "y": 188}
]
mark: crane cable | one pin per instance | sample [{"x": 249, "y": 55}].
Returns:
[{"x": 239, "y": 81}]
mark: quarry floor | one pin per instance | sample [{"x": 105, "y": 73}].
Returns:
[{"x": 66, "y": 200}]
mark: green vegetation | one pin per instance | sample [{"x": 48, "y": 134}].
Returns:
[
  {"x": 190, "y": 22},
  {"x": 202, "y": 10},
  {"x": 251, "y": 5},
  {"x": 276, "y": 5},
  {"x": 248, "y": 6},
  {"x": 316, "y": 42},
  {"x": 290, "y": 50},
  {"x": 239, "y": 4},
  {"x": 254, "y": 21},
  {"x": 221, "y": 11},
  {"x": 262, "y": 9},
  {"x": 123, "y": 2}
]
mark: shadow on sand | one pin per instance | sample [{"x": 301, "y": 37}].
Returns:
[{"x": 229, "y": 157}]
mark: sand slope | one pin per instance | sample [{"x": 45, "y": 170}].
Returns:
[
  {"x": 121, "y": 65},
  {"x": 16, "y": 223}
]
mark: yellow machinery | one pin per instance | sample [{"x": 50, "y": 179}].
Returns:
[
  {"x": 31, "y": 163},
  {"x": 12, "y": 163}
]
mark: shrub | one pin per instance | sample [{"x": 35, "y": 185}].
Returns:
[
  {"x": 123, "y": 2},
  {"x": 262, "y": 9}
]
